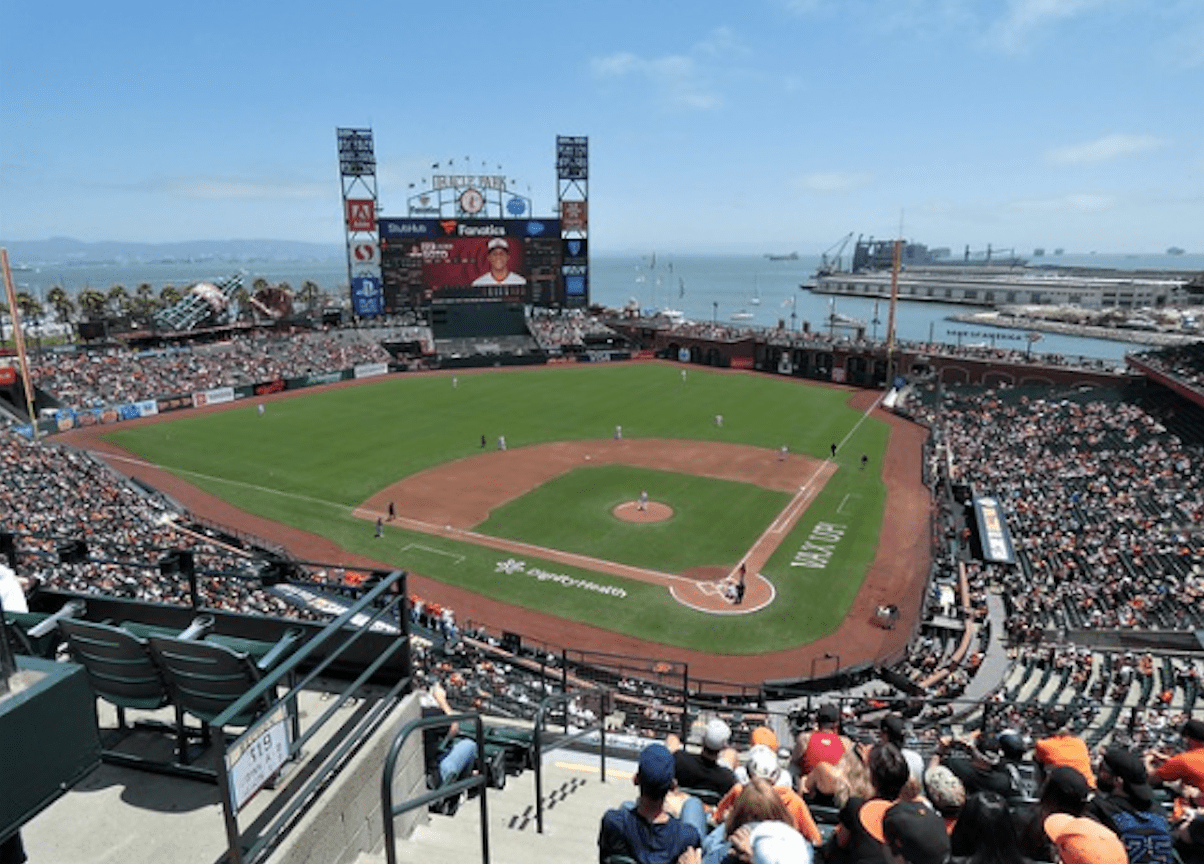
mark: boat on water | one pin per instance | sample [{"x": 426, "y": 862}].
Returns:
[
  {"x": 742, "y": 315},
  {"x": 789, "y": 256},
  {"x": 994, "y": 278}
]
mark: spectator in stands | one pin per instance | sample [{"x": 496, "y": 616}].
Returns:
[
  {"x": 823, "y": 745},
  {"x": 1061, "y": 747},
  {"x": 986, "y": 832},
  {"x": 1064, "y": 791},
  {"x": 448, "y": 758},
  {"x": 1189, "y": 838},
  {"x": 893, "y": 730},
  {"x": 645, "y": 831},
  {"x": 1186, "y": 768},
  {"x": 757, "y": 802},
  {"x": 980, "y": 768},
  {"x": 859, "y": 838},
  {"x": 915, "y": 834},
  {"x": 1125, "y": 803},
  {"x": 704, "y": 771},
  {"x": 1081, "y": 840},
  {"x": 946, "y": 793},
  {"x": 762, "y": 762}
]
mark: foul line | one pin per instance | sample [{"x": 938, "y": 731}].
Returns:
[{"x": 460, "y": 559}]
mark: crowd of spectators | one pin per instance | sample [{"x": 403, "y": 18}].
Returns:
[
  {"x": 1184, "y": 363},
  {"x": 566, "y": 331},
  {"x": 113, "y": 375}
]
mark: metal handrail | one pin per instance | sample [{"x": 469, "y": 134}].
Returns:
[
  {"x": 567, "y": 738},
  {"x": 340, "y": 627},
  {"x": 480, "y": 780}
]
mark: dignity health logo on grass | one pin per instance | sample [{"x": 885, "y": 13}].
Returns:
[{"x": 510, "y": 567}]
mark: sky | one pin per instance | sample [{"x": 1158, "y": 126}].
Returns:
[{"x": 727, "y": 127}]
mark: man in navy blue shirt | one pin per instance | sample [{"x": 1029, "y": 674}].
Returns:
[{"x": 645, "y": 831}]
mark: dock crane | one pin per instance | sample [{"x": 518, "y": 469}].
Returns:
[{"x": 830, "y": 263}]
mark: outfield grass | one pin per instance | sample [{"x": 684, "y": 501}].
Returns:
[{"x": 314, "y": 457}]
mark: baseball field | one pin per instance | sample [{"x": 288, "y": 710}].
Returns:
[{"x": 550, "y": 523}]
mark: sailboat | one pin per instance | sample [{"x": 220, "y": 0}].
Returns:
[{"x": 755, "y": 300}]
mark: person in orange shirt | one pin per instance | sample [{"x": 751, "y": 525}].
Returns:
[
  {"x": 1060, "y": 747},
  {"x": 763, "y": 762},
  {"x": 1187, "y": 767}
]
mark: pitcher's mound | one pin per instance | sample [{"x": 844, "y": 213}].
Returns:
[{"x": 629, "y": 511}]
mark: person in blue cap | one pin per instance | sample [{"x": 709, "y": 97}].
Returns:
[{"x": 645, "y": 831}]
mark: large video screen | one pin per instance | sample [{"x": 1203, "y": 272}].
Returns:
[{"x": 430, "y": 261}]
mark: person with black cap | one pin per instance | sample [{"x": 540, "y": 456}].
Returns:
[
  {"x": 1064, "y": 790},
  {"x": 915, "y": 834},
  {"x": 1125, "y": 803},
  {"x": 980, "y": 767},
  {"x": 645, "y": 831}
]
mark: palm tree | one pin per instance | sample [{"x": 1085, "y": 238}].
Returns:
[
  {"x": 119, "y": 300},
  {"x": 169, "y": 295},
  {"x": 92, "y": 302},
  {"x": 144, "y": 300},
  {"x": 62, "y": 304},
  {"x": 309, "y": 294},
  {"x": 28, "y": 305}
]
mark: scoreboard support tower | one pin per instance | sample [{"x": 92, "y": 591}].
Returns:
[
  {"x": 357, "y": 171},
  {"x": 572, "y": 193}
]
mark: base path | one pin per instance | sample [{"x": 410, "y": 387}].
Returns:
[{"x": 897, "y": 575}]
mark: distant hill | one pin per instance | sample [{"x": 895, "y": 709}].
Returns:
[{"x": 67, "y": 250}]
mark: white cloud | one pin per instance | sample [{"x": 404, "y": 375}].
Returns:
[
  {"x": 834, "y": 181},
  {"x": 1027, "y": 20},
  {"x": 1104, "y": 149},
  {"x": 676, "y": 78}
]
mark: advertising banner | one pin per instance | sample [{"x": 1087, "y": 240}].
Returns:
[
  {"x": 217, "y": 396},
  {"x": 367, "y": 296}
]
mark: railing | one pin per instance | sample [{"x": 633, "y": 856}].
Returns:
[
  {"x": 276, "y": 739},
  {"x": 479, "y": 780},
  {"x": 568, "y": 737}
]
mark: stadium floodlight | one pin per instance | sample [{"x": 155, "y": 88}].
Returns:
[{"x": 73, "y": 552}]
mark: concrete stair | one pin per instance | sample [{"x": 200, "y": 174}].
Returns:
[{"x": 574, "y": 801}]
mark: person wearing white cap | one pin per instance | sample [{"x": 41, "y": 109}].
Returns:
[
  {"x": 498, "y": 253},
  {"x": 703, "y": 771}
]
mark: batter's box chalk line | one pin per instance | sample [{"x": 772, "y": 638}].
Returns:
[
  {"x": 459, "y": 559},
  {"x": 848, "y": 499}
]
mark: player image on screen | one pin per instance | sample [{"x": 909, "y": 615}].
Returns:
[{"x": 499, "y": 272}]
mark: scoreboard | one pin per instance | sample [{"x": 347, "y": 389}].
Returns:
[{"x": 426, "y": 261}]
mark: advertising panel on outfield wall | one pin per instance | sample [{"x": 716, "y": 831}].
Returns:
[{"x": 424, "y": 261}]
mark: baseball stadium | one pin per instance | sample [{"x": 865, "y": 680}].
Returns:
[{"x": 257, "y": 562}]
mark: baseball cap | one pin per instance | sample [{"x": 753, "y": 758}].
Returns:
[
  {"x": 1066, "y": 787},
  {"x": 945, "y": 790},
  {"x": 914, "y": 830},
  {"x": 1084, "y": 841},
  {"x": 498, "y": 243},
  {"x": 895, "y": 729},
  {"x": 1129, "y": 768},
  {"x": 762, "y": 762},
  {"x": 776, "y": 842},
  {"x": 987, "y": 748},
  {"x": 828, "y": 713},
  {"x": 1193, "y": 729},
  {"x": 871, "y": 814},
  {"x": 1055, "y": 718},
  {"x": 1012, "y": 743},
  {"x": 764, "y": 735},
  {"x": 716, "y": 735},
  {"x": 656, "y": 769}
]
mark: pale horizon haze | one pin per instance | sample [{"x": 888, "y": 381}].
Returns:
[{"x": 752, "y": 127}]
